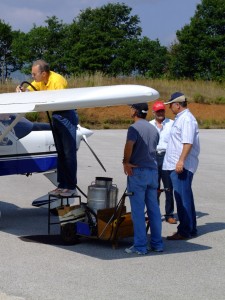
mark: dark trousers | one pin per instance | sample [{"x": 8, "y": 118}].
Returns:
[
  {"x": 185, "y": 202},
  {"x": 65, "y": 126},
  {"x": 164, "y": 176}
]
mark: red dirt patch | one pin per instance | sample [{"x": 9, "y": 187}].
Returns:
[{"x": 202, "y": 112}]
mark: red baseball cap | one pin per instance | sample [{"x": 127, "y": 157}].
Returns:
[{"x": 158, "y": 105}]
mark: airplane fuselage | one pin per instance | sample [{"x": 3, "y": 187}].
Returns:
[
  {"x": 33, "y": 153},
  {"x": 30, "y": 148}
]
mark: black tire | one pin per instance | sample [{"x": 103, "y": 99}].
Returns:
[
  {"x": 54, "y": 211},
  {"x": 68, "y": 234}
]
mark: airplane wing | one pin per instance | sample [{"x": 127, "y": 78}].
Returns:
[{"x": 76, "y": 98}]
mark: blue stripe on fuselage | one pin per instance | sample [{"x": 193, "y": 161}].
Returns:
[{"x": 22, "y": 164}]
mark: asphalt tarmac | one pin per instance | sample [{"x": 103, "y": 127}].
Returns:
[{"x": 91, "y": 269}]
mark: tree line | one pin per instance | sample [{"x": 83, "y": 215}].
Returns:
[{"x": 109, "y": 40}]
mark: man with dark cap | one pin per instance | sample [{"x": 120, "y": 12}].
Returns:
[
  {"x": 181, "y": 160},
  {"x": 163, "y": 125},
  {"x": 140, "y": 166}
]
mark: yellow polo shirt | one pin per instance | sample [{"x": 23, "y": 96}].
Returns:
[{"x": 55, "y": 82}]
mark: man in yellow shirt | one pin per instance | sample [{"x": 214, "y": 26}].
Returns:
[{"x": 64, "y": 127}]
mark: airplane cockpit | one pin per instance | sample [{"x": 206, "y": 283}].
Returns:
[
  {"x": 22, "y": 128},
  {"x": 28, "y": 147}
]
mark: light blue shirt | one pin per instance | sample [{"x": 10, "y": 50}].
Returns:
[
  {"x": 164, "y": 133},
  {"x": 184, "y": 131}
]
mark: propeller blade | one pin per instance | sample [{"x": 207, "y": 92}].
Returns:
[{"x": 98, "y": 160}]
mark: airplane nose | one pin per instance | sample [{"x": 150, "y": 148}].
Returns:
[{"x": 85, "y": 131}]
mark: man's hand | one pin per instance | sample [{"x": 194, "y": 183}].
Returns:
[
  {"x": 180, "y": 164},
  {"x": 19, "y": 89},
  {"x": 179, "y": 167},
  {"x": 128, "y": 169}
]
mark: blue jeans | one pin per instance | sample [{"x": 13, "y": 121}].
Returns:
[
  {"x": 143, "y": 183},
  {"x": 167, "y": 184},
  {"x": 185, "y": 202},
  {"x": 65, "y": 126}
]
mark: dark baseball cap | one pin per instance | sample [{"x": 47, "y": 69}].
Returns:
[
  {"x": 176, "y": 97},
  {"x": 141, "y": 107}
]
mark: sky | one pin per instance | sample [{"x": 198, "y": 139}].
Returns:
[{"x": 159, "y": 19}]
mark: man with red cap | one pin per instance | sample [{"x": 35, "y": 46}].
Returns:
[{"x": 163, "y": 125}]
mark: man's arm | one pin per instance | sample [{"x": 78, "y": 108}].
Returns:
[
  {"x": 180, "y": 164},
  {"x": 128, "y": 149}
]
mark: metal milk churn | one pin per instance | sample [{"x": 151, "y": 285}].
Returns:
[{"x": 102, "y": 194}]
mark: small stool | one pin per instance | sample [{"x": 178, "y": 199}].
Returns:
[{"x": 61, "y": 198}]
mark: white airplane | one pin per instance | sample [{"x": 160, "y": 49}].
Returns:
[{"x": 27, "y": 147}]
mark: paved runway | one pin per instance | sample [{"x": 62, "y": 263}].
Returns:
[{"x": 193, "y": 269}]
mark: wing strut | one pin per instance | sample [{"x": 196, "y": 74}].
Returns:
[{"x": 92, "y": 151}]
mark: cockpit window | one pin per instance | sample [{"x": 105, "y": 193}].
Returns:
[
  {"x": 5, "y": 141},
  {"x": 22, "y": 128}
]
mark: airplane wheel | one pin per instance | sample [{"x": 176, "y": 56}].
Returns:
[
  {"x": 54, "y": 211},
  {"x": 68, "y": 234}
]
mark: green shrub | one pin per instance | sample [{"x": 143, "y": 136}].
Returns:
[
  {"x": 220, "y": 100},
  {"x": 199, "y": 98},
  {"x": 32, "y": 116}
]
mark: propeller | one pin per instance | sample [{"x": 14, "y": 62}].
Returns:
[{"x": 84, "y": 133}]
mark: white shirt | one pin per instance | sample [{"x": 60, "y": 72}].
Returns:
[
  {"x": 184, "y": 131},
  {"x": 164, "y": 133}
]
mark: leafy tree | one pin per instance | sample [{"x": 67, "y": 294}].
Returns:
[
  {"x": 200, "y": 51},
  {"x": 19, "y": 45},
  {"x": 152, "y": 58},
  {"x": 100, "y": 33},
  {"x": 7, "y": 62},
  {"x": 72, "y": 47},
  {"x": 42, "y": 42},
  {"x": 142, "y": 57},
  {"x": 30, "y": 46},
  {"x": 55, "y": 36},
  {"x": 105, "y": 39}
]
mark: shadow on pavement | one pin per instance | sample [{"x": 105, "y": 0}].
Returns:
[{"x": 30, "y": 225}]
